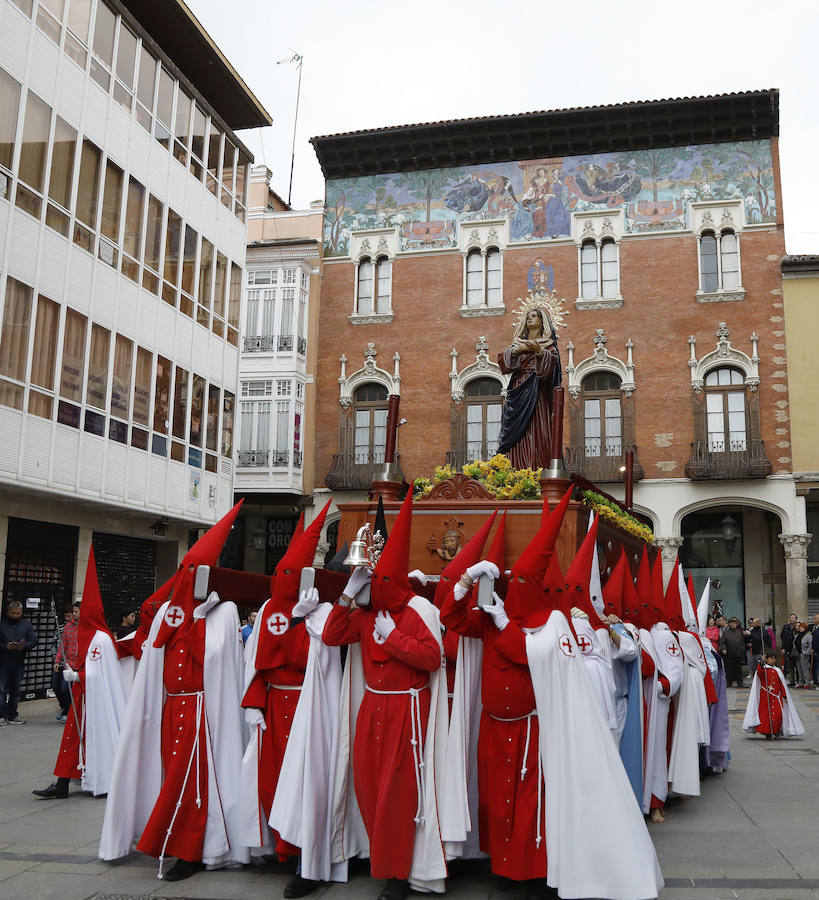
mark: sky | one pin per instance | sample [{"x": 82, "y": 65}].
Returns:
[{"x": 372, "y": 64}]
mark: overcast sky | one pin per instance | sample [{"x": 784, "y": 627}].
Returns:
[{"x": 369, "y": 64}]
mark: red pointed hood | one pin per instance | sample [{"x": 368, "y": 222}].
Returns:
[
  {"x": 92, "y": 615},
  {"x": 391, "y": 589},
  {"x": 613, "y": 589},
  {"x": 657, "y": 596},
  {"x": 673, "y": 601},
  {"x": 205, "y": 552},
  {"x": 298, "y": 531},
  {"x": 579, "y": 574},
  {"x": 630, "y": 602},
  {"x": 546, "y": 511},
  {"x": 147, "y": 612},
  {"x": 525, "y": 599},
  {"x": 299, "y": 554},
  {"x": 497, "y": 553},
  {"x": 643, "y": 587},
  {"x": 470, "y": 553}
]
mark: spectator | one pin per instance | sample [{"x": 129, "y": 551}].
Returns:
[
  {"x": 67, "y": 654},
  {"x": 17, "y": 637},
  {"x": 247, "y": 630},
  {"x": 805, "y": 641},
  {"x": 732, "y": 649},
  {"x": 770, "y": 641},
  {"x": 814, "y": 666},
  {"x": 127, "y": 625},
  {"x": 62, "y": 691},
  {"x": 786, "y": 638},
  {"x": 722, "y": 624},
  {"x": 757, "y": 640},
  {"x": 712, "y": 632}
]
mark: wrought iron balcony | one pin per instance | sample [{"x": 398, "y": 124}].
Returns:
[
  {"x": 280, "y": 459},
  {"x": 285, "y": 342},
  {"x": 301, "y": 346},
  {"x": 349, "y": 472},
  {"x": 254, "y": 457},
  {"x": 741, "y": 459},
  {"x": 260, "y": 343},
  {"x": 297, "y": 458},
  {"x": 610, "y": 467}
]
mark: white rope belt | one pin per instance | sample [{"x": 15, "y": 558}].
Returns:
[
  {"x": 523, "y": 769},
  {"x": 200, "y": 702},
  {"x": 285, "y": 687},
  {"x": 416, "y": 740}
]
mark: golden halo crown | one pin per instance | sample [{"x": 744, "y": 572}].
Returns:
[{"x": 555, "y": 306}]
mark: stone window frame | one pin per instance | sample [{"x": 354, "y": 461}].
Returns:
[
  {"x": 374, "y": 245},
  {"x": 717, "y": 218},
  {"x": 598, "y": 228}
]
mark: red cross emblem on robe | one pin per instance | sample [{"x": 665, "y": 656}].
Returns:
[
  {"x": 277, "y": 623},
  {"x": 174, "y": 616},
  {"x": 672, "y": 649},
  {"x": 565, "y": 644},
  {"x": 95, "y": 652},
  {"x": 584, "y": 644}
]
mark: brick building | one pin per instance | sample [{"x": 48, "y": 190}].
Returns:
[{"x": 661, "y": 225}]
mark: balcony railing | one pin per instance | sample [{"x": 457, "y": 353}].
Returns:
[
  {"x": 254, "y": 457},
  {"x": 284, "y": 342},
  {"x": 297, "y": 458},
  {"x": 348, "y": 473},
  {"x": 301, "y": 346},
  {"x": 280, "y": 459},
  {"x": 458, "y": 458},
  {"x": 259, "y": 343},
  {"x": 588, "y": 463},
  {"x": 742, "y": 459}
]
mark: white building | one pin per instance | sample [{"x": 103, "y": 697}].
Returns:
[
  {"x": 122, "y": 244},
  {"x": 275, "y": 425}
]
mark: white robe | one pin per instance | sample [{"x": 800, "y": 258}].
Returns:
[
  {"x": 684, "y": 761},
  {"x": 655, "y": 763},
  {"x": 620, "y": 656},
  {"x": 597, "y": 659},
  {"x": 791, "y": 723},
  {"x": 137, "y": 776},
  {"x": 103, "y": 712},
  {"x": 695, "y": 658},
  {"x": 588, "y": 789},
  {"x": 302, "y": 805}
]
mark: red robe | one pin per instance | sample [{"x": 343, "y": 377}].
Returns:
[
  {"x": 181, "y": 764},
  {"x": 508, "y": 805},
  {"x": 279, "y": 706},
  {"x": 771, "y": 697},
  {"x": 68, "y": 759},
  {"x": 384, "y": 768}
]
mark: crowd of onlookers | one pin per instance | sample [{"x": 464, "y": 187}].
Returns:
[{"x": 797, "y": 648}]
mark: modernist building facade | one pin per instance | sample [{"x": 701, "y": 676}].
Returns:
[
  {"x": 276, "y": 399},
  {"x": 660, "y": 224},
  {"x": 123, "y": 222}
]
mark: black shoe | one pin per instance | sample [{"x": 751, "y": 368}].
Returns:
[
  {"x": 395, "y": 889},
  {"x": 506, "y": 884},
  {"x": 183, "y": 869},
  {"x": 54, "y": 791},
  {"x": 300, "y": 887},
  {"x": 537, "y": 889}
]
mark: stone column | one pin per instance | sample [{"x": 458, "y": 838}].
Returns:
[
  {"x": 796, "y": 572},
  {"x": 669, "y": 547}
]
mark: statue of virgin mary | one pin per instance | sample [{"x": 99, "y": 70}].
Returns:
[{"x": 533, "y": 361}]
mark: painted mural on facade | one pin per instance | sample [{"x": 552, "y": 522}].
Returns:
[{"x": 538, "y": 196}]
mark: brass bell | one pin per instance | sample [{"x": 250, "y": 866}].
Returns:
[{"x": 359, "y": 549}]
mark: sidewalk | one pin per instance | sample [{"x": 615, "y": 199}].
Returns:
[{"x": 752, "y": 835}]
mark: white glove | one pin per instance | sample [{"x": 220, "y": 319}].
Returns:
[
  {"x": 418, "y": 575},
  {"x": 70, "y": 676},
  {"x": 206, "y": 606},
  {"x": 460, "y": 591},
  {"x": 308, "y": 602},
  {"x": 498, "y": 612},
  {"x": 362, "y": 575},
  {"x": 384, "y": 624},
  {"x": 253, "y": 717},
  {"x": 484, "y": 567}
]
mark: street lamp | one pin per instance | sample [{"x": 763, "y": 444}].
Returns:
[{"x": 729, "y": 534}]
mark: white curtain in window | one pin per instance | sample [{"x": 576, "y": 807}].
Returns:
[
  {"x": 474, "y": 431},
  {"x": 268, "y": 328},
  {"x": 736, "y": 420},
  {"x": 716, "y": 423},
  {"x": 708, "y": 263},
  {"x": 588, "y": 271},
  {"x": 611, "y": 273},
  {"x": 494, "y": 289},
  {"x": 591, "y": 426},
  {"x": 365, "y": 287},
  {"x": 383, "y": 300},
  {"x": 379, "y": 434},
  {"x": 474, "y": 279},
  {"x": 282, "y": 425},
  {"x": 729, "y": 251},
  {"x": 287, "y": 312},
  {"x": 252, "y": 313},
  {"x": 362, "y": 436},
  {"x": 493, "y": 427},
  {"x": 246, "y": 411},
  {"x": 614, "y": 443}
]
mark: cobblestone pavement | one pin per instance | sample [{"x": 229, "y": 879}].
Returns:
[{"x": 752, "y": 834}]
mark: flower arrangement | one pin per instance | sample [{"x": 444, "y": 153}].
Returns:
[
  {"x": 617, "y": 516},
  {"x": 496, "y": 475}
]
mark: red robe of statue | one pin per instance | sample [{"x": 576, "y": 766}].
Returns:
[
  {"x": 508, "y": 743},
  {"x": 771, "y": 695},
  {"x": 185, "y": 765},
  {"x": 384, "y": 768}
]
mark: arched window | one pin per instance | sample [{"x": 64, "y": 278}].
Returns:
[
  {"x": 364, "y": 306},
  {"x": 719, "y": 261},
  {"x": 588, "y": 270},
  {"x": 725, "y": 409},
  {"x": 370, "y": 423},
  {"x": 483, "y": 418},
  {"x": 602, "y": 415},
  {"x": 384, "y": 285},
  {"x": 483, "y": 279},
  {"x": 610, "y": 269}
]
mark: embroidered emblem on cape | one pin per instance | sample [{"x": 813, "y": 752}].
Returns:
[
  {"x": 672, "y": 649},
  {"x": 584, "y": 644},
  {"x": 277, "y": 623},
  {"x": 565, "y": 644},
  {"x": 95, "y": 652},
  {"x": 174, "y": 616}
]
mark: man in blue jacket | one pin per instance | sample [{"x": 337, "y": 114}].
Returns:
[{"x": 17, "y": 637}]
